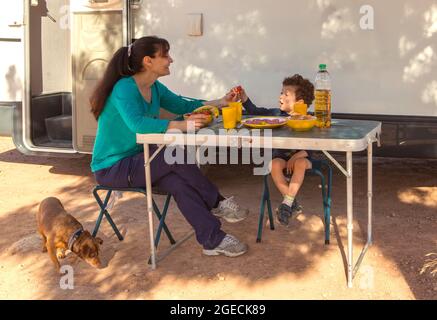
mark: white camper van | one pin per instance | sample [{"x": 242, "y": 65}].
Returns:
[{"x": 382, "y": 56}]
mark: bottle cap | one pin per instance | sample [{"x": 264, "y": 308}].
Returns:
[{"x": 322, "y": 66}]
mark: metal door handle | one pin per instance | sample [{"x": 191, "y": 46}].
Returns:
[{"x": 15, "y": 24}]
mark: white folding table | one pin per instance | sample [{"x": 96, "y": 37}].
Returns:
[{"x": 344, "y": 136}]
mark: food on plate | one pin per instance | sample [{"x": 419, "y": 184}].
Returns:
[
  {"x": 211, "y": 111},
  {"x": 302, "y": 117},
  {"x": 264, "y": 122},
  {"x": 261, "y": 121}
]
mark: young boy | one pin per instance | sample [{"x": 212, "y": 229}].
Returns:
[{"x": 285, "y": 162}]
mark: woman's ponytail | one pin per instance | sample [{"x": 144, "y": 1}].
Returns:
[
  {"x": 117, "y": 68},
  {"x": 126, "y": 62}
]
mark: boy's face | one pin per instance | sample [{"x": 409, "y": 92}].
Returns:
[{"x": 287, "y": 99}]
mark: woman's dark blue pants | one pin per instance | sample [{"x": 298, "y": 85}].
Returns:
[{"x": 194, "y": 194}]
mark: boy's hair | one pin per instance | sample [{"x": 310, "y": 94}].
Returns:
[{"x": 304, "y": 88}]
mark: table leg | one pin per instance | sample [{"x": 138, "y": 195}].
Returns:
[
  {"x": 369, "y": 191},
  {"x": 149, "y": 204},
  {"x": 198, "y": 156},
  {"x": 349, "y": 219},
  {"x": 369, "y": 207}
]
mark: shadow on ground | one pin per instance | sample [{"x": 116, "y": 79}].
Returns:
[
  {"x": 59, "y": 164},
  {"x": 399, "y": 222},
  {"x": 128, "y": 266}
]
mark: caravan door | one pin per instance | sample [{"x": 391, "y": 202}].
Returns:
[
  {"x": 53, "y": 53},
  {"x": 99, "y": 28},
  {"x": 12, "y": 61}
]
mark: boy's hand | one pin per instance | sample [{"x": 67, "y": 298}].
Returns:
[
  {"x": 240, "y": 93},
  {"x": 291, "y": 161},
  {"x": 289, "y": 166}
]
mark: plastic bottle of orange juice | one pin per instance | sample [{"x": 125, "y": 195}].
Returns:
[{"x": 322, "y": 105}]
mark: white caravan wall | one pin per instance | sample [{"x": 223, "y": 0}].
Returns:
[
  {"x": 12, "y": 51},
  {"x": 256, "y": 43}
]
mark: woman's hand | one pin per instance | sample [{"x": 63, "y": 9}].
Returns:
[
  {"x": 199, "y": 120},
  {"x": 222, "y": 102},
  {"x": 194, "y": 121},
  {"x": 231, "y": 96},
  {"x": 228, "y": 97},
  {"x": 235, "y": 94},
  {"x": 238, "y": 93}
]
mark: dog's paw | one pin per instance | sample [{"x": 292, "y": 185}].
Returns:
[{"x": 60, "y": 254}]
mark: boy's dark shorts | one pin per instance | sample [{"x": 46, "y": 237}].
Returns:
[{"x": 285, "y": 154}]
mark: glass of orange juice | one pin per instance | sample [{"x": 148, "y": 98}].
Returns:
[
  {"x": 239, "y": 108},
  {"x": 300, "y": 108},
  {"x": 229, "y": 117}
]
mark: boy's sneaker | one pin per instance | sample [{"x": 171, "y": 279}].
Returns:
[
  {"x": 229, "y": 210},
  {"x": 296, "y": 207},
  {"x": 230, "y": 247},
  {"x": 283, "y": 213}
]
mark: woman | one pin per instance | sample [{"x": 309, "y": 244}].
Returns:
[{"x": 126, "y": 102}]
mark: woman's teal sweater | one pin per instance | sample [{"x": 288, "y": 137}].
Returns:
[{"x": 126, "y": 113}]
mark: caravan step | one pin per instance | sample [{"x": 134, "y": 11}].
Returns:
[{"x": 59, "y": 127}]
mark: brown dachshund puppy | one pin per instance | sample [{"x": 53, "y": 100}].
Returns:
[{"x": 61, "y": 231}]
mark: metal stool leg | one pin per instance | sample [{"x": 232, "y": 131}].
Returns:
[
  {"x": 103, "y": 211},
  {"x": 162, "y": 224},
  {"x": 264, "y": 199},
  {"x": 324, "y": 202},
  {"x": 114, "y": 227},
  {"x": 161, "y": 216},
  {"x": 328, "y": 207},
  {"x": 325, "y": 209},
  {"x": 326, "y": 196},
  {"x": 269, "y": 205}
]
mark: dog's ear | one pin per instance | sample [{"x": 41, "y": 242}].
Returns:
[{"x": 99, "y": 241}]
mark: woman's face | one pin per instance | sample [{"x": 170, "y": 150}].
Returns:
[
  {"x": 287, "y": 99},
  {"x": 160, "y": 64}
]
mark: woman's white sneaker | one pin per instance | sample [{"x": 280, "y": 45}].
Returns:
[
  {"x": 229, "y": 210},
  {"x": 230, "y": 247}
]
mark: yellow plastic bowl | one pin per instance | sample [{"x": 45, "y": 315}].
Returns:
[{"x": 301, "y": 124}]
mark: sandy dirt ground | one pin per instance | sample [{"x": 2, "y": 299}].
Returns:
[{"x": 291, "y": 263}]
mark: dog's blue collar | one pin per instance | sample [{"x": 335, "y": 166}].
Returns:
[{"x": 76, "y": 234}]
